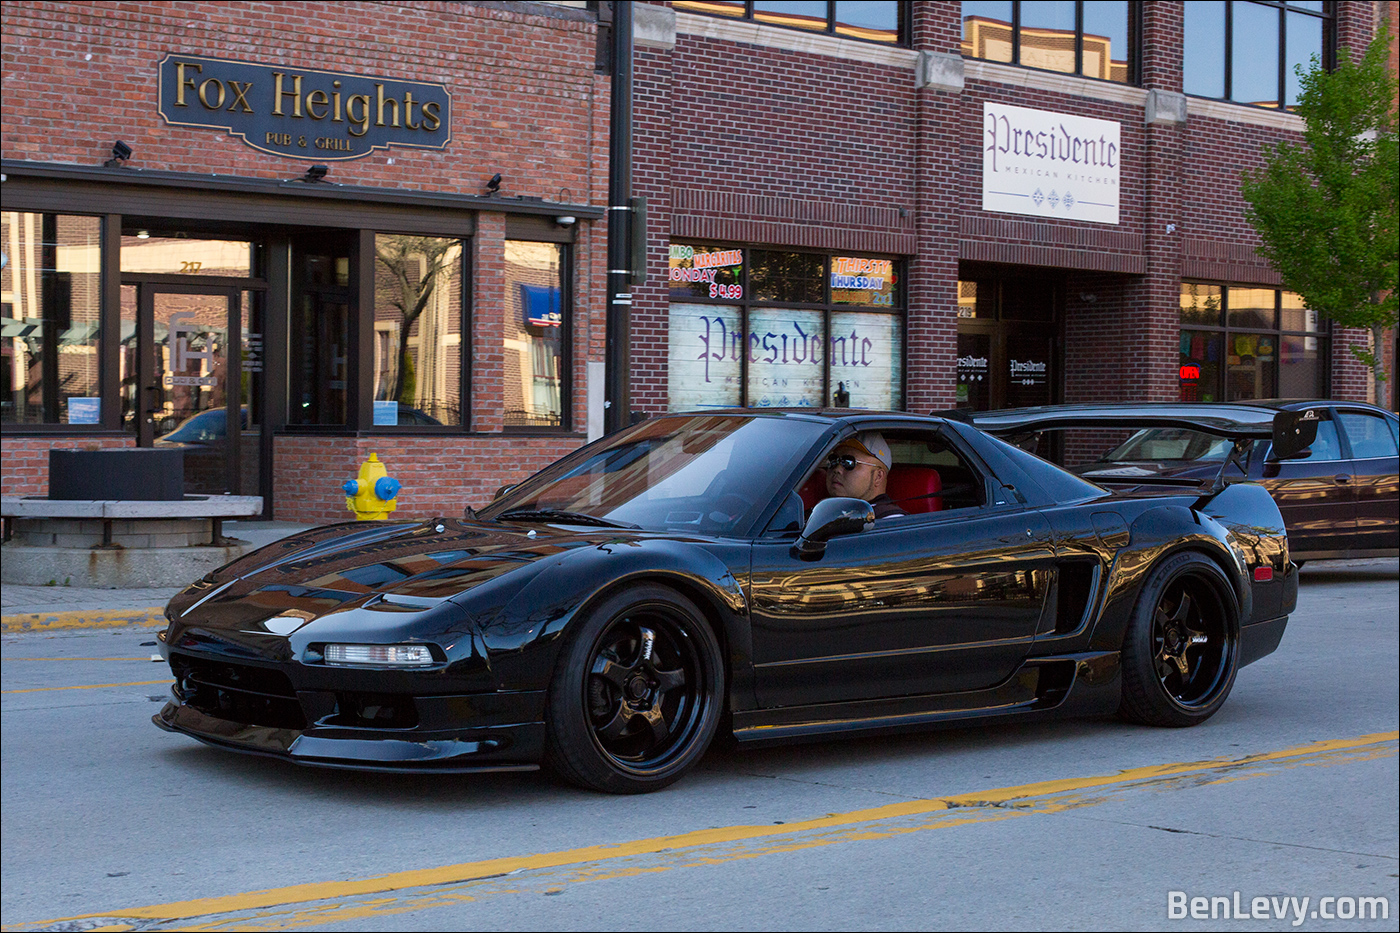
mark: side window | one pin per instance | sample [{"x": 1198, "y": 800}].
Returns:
[
  {"x": 929, "y": 475},
  {"x": 1370, "y": 435}
]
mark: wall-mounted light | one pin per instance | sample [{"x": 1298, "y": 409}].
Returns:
[
  {"x": 143, "y": 234},
  {"x": 120, "y": 153},
  {"x": 566, "y": 220},
  {"x": 315, "y": 173},
  {"x": 1088, "y": 297},
  {"x": 494, "y": 185}
]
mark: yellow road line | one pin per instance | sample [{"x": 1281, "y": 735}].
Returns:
[
  {"x": 81, "y": 618},
  {"x": 134, "y": 683},
  {"x": 597, "y": 862}
]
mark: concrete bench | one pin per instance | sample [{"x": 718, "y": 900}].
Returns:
[{"x": 110, "y": 542}]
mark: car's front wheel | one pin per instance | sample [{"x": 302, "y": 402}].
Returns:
[
  {"x": 637, "y": 694},
  {"x": 1181, "y": 650}
]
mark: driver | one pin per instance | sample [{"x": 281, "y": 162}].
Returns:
[{"x": 859, "y": 467}]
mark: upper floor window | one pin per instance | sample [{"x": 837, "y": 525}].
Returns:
[
  {"x": 1083, "y": 37},
  {"x": 1247, "y": 51},
  {"x": 872, "y": 20}
]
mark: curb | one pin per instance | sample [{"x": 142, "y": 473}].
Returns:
[{"x": 82, "y": 618}]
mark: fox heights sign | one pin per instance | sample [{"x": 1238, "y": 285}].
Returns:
[{"x": 303, "y": 113}]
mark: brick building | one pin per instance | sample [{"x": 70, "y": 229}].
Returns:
[
  {"x": 396, "y": 303},
  {"x": 910, "y": 205}
]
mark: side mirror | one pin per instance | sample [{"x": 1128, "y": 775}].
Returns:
[
  {"x": 1294, "y": 433},
  {"x": 832, "y": 518}
]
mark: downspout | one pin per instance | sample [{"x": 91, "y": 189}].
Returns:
[{"x": 616, "y": 398}]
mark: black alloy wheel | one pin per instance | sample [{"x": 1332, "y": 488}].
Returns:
[
  {"x": 637, "y": 695},
  {"x": 1181, "y": 650}
]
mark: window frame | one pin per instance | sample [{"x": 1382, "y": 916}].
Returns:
[
  {"x": 905, "y": 38},
  {"x": 1226, "y": 332},
  {"x": 1134, "y": 32},
  {"x": 827, "y": 307},
  {"x": 1327, "y": 54}
]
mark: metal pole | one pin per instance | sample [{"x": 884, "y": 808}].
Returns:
[{"x": 616, "y": 403}]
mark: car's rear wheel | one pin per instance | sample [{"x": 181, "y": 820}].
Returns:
[
  {"x": 637, "y": 693},
  {"x": 1181, "y": 650}
]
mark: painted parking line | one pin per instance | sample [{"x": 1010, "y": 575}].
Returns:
[
  {"x": 453, "y": 885},
  {"x": 81, "y": 618}
]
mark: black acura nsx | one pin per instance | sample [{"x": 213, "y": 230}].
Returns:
[{"x": 610, "y": 615}]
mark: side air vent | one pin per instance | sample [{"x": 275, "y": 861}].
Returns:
[{"x": 1075, "y": 590}]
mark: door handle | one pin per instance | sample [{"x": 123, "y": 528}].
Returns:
[{"x": 1342, "y": 479}]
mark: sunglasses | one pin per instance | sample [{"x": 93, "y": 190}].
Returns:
[{"x": 846, "y": 462}]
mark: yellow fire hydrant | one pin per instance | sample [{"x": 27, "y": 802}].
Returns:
[{"x": 371, "y": 496}]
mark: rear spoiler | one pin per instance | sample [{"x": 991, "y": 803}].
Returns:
[{"x": 1291, "y": 432}]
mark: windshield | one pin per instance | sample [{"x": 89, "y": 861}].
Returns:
[
  {"x": 706, "y": 473},
  {"x": 1158, "y": 444}
]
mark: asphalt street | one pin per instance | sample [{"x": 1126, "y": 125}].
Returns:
[{"x": 1289, "y": 793}]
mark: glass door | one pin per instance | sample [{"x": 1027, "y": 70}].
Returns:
[{"x": 197, "y": 381}]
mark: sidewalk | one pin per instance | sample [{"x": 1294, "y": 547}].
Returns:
[{"x": 37, "y": 608}]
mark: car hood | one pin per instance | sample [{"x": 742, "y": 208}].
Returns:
[{"x": 408, "y": 567}]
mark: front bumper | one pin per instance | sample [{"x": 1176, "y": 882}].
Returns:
[
  {"x": 363, "y": 719},
  {"x": 504, "y": 747}
]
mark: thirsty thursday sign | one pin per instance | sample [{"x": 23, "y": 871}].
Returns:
[{"x": 1049, "y": 164}]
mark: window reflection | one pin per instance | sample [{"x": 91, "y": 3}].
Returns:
[
  {"x": 51, "y": 285},
  {"x": 535, "y": 330},
  {"x": 872, "y": 20},
  {"x": 1254, "y": 55},
  {"x": 417, "y": 330},
  {"x": 1088, "y": 37},
  {"x": 1266, "y": 42}
]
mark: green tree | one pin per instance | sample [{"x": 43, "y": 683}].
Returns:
[{"x": 1326, "y": 211}]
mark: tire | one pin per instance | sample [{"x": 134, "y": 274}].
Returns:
[
  {"x": 628, "y": 714},
  {"x": 1182, "y": 648}
]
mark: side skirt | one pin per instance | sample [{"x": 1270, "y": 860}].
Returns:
[{"x": 1067, "y": 685}]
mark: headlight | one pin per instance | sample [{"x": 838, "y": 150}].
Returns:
[{"x": 390, "y": 655}]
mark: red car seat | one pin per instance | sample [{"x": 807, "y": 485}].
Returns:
[
  {"x": 814, "y": 490},
  {"x": 915, "y": 489}
]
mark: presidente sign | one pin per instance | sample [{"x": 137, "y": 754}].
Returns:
[
  {"x": 303, "y": 113},
  {"x": 1049, "y": 164}
]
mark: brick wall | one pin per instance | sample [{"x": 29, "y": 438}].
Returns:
[
  {"x": 439, "y": 475},
  {"x": 527, "y": 102}
]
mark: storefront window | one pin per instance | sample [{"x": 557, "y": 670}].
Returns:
[
  {"x": 1085, "y": 37},
  {"x": 537, "y": 323},
  {"x": 1246, "y": 343},
  {"x": 50, "y": 287},
  {"x": 418, "y": 318},
  {"x": 320, "y": 336},
  {"x": 787, "y": 329}
]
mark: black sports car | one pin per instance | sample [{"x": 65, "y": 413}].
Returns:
[{"x": 609, "y": 615}]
